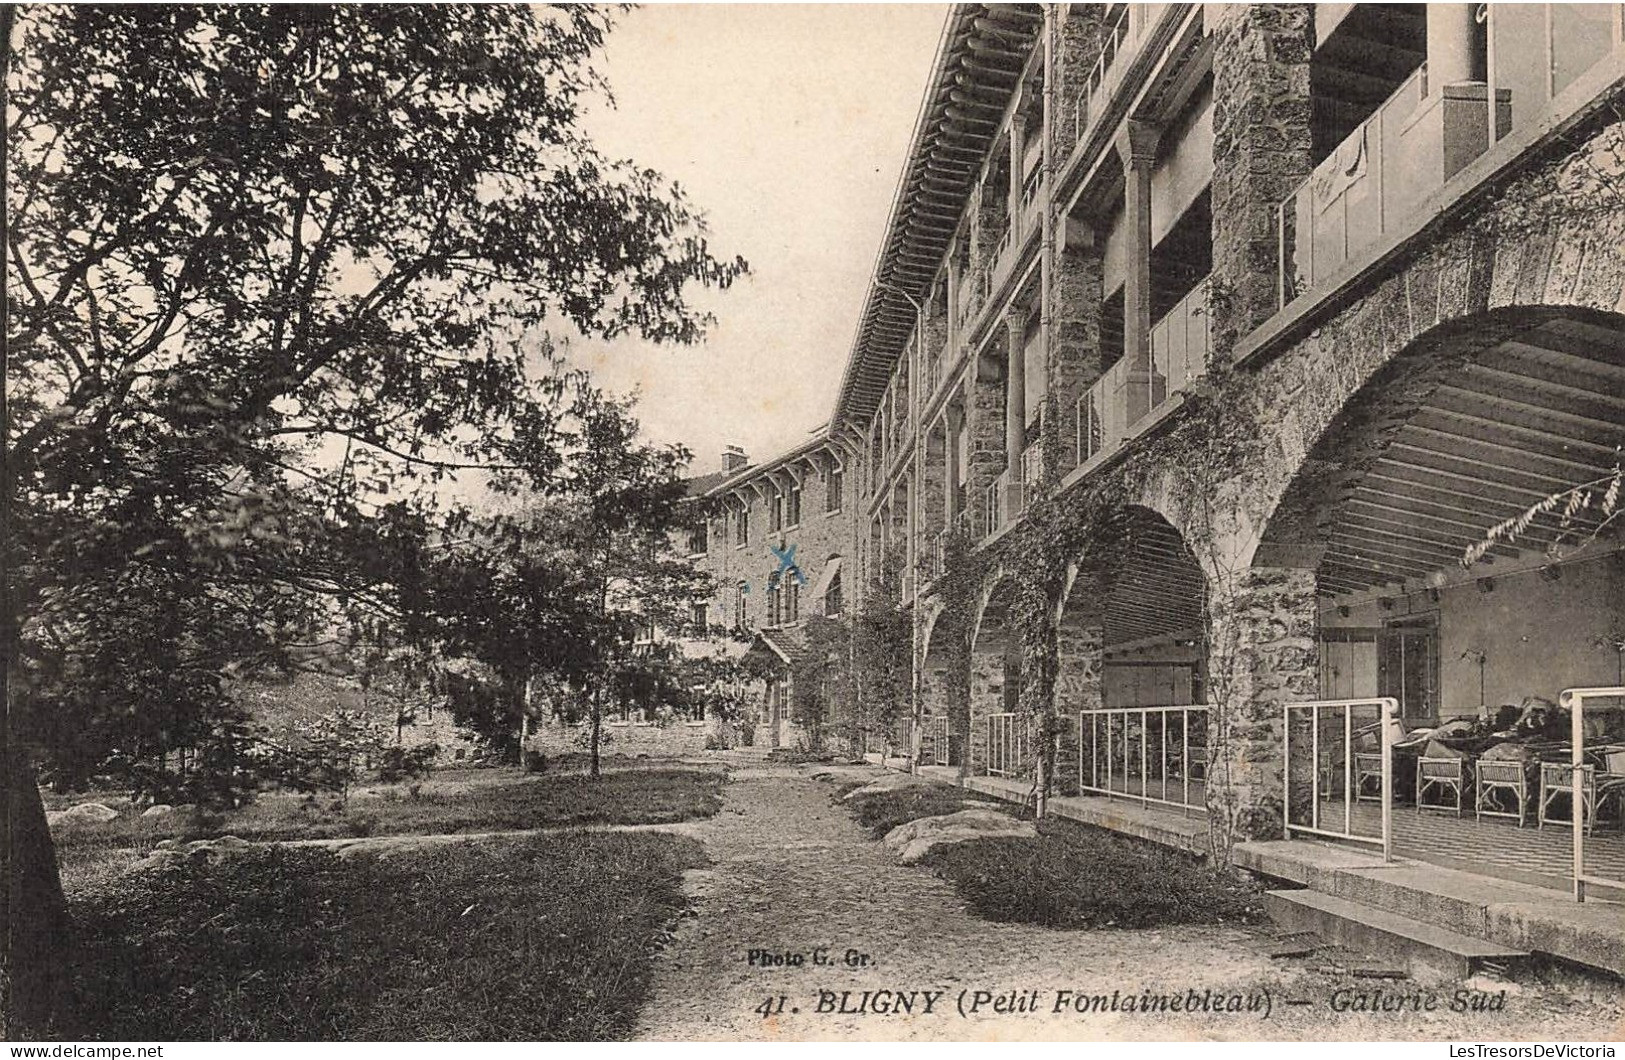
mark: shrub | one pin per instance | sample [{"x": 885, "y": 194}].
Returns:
[
  {"x": 1077, "y": 877},
  {"x": 407, "y": 763},
  {"x": 881, "y": 812}
]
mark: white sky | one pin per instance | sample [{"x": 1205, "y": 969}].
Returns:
[{"x": 787, "y": 125}]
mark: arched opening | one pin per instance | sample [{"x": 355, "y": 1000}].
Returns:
[
  {"x": 994, "y": 738},
  {"x": 1131, "y": 668},
  {"x": 1467, "y": 429},
  {"x": 943, "y": 694}
]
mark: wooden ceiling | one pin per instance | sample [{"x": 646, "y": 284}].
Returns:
[
  {"x": 1157, "y": 590},
  {"x": 1531, "y": 417}
]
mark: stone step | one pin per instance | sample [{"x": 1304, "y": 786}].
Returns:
[{"x": 1430, "y": 952}]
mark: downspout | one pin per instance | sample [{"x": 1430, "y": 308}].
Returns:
[{"x": 1046, "y": 313}]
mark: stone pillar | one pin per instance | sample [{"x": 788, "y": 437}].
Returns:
[
  {"x": 1015, "y": 391},
  {"x": 1262, "y": 654},
  {"x": 1261, "y": 152},
  {"x": 1079, "y": 670},
  {"x": 986, "y": 697},
  {"x": 1074, "y": 354},
  {"x": 1138, "y": 149},
  {"x": 986, "y": 424},
  {"x": 1081, "y": 37},
  {"x": 953, "y": 422},
  {"x": 1452, "y": 46}
]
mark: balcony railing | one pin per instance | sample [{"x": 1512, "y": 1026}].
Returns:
[
  {"x": 1336, "y": 754},
  {"x": 1004, "y": 745},
  {"x": 1379, "y": 179},
  {"x": 1181, "y": 344},
  {"x": 1181, "y": 347},
  {"x": 993, "y": 499},
  {"x": 1102, "y": 77},
  {"x": 1032, "y": 467},
  {"x": 1153, "y": 754}
]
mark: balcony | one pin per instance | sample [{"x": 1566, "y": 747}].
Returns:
[
  {"x": 1124, "y": 28},
  {"x": 1389, "y": 173},
  {"x": 1181, "y": 345}
]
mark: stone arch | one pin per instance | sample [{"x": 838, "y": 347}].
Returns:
[
  {"x": 994, "y": 683},
  {"x": 1128, "y": 628}
]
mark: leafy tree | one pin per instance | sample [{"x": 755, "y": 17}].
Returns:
[
  {"x": 273, "y": 275},
  {"x": 822, "y": 689}
]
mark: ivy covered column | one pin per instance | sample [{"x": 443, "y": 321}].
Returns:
[
  {"x": 1261, "y": 153},
  {"x": 1262, "y": 654},
  {"x": 985, "y": 424},
  {"x": 1080, "y": 639},
  {"x": 1073, "y": 363}
]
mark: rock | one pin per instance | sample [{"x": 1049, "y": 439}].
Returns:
[
  {"x": 213, "y": 850},
  {"x": 99, "y": 812},
  {"x": 167, "y": 844},
  {"x": 915, "y": 839},
  {"x": 161, "y": 809},
  {"x": 892, "y": 782},
  {"x": 55, "y": 817}
]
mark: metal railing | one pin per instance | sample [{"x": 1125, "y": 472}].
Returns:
[
  {"x": 1004, "y": 745},
  {"x": 993, "y": 499},
  {"x": 1032, "y": 466},
  {"x": 1585, "y": 792},
  {"x": 1334, "y": 764},
  {"x": 934, "y": 746},
  {"x": 1150, "y": 754}
]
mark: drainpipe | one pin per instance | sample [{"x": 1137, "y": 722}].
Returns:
[
  {"x": 917, "y": 381},
  {"x": 1046, "y": 307}
]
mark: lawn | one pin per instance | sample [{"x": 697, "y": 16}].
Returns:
[
  {"x": 460, "y": 801},
  {"x": 519, "y": 938},
  {"x": 1071, "y": 875}
]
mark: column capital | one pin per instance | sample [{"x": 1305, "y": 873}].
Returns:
[{"x": 1137, "y": 143}]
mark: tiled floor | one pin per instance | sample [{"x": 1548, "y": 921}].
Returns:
[{"x": 1491, "y": 845}]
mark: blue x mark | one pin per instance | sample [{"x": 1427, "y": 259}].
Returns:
[{"x": 787, "y": 562}]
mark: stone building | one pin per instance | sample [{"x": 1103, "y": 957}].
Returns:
[
  {"x": 777, "y": 539},
  {"x": 1203, "y": 342}
]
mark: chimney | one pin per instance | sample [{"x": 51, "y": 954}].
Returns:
[{"x": 733, "y": 458}]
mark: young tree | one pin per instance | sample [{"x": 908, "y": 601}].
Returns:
[{"x": 273, "y": 274}]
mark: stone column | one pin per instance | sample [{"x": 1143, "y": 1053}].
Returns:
[
  {"x": 953, "y": 421},
  {"x": 1262, "y": 654},
  {"x": 986, "y": 424},
  {"x": 1074, "y": 355},
  {"x": 1261, "y": 152},
  {"x": 1452, "y": 46},
  {"x": 1138, "y": 149},
  {"x": 1015, "y": 392},
  {"x": 1080, "y": 642}
]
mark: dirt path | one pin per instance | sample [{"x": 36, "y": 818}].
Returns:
[{"x": 793, "y": 874}]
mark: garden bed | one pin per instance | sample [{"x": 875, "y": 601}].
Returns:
[{"x": 1071, "y": 875}]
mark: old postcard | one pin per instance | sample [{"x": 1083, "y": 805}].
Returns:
[{"x": 776, "y": 523}]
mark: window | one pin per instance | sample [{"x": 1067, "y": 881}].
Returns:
[
  {"x": 775, "y": 513},
  {"x": 792, "y": 599},
  {"x": 792, "y": 506},
  {"x": 696, "y": 616},
  {"x": 832, "y": 496},
  {"x": 739, "y": 605},
  {"x": 773, "y": 598},
  {"x": 742, "y": 527},
  {"x": 832, "y": 596},
  {"x": 699, "y": 539}
]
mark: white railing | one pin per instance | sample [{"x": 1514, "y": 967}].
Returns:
[
  {"x": 1338, "y": 765},
  {"x": 1004, "y": 745},
  {"x": 1151, "y": 754},
  {"x": 1589, "y": 786},
  {"x": 1032, "y": 467},
  {"x": 939, "y": 553},
  {"x": 1181, "y": 345},
  {"x": 1353, "y": 197},
  {"x": 993, "y": 499},
  {"x": 934, "y": 746}
]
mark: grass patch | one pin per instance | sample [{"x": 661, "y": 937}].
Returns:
[
  {"x": 1077, "y": 877},
  {"x": 881, "y": 812},
  {"x": 497, "y": 801},
  {"x": 544, "y": 937}
]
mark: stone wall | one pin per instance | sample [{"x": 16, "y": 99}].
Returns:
[{"x": 679, "y": 740}]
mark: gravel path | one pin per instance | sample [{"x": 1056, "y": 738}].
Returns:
[{"x": 792, "y": 874}]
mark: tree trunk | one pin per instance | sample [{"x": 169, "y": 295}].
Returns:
[
  {"x": 594, "y": 769},
  {"x": 34, "y": 914}
]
